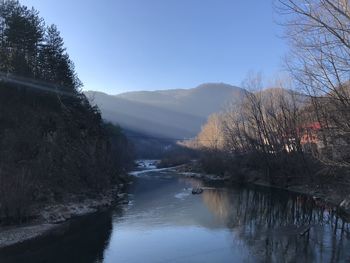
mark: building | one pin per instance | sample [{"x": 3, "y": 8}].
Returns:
[{"x": 310, "y": 137}]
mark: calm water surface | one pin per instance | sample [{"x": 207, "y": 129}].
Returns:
[{"x": 164, "y": 223}]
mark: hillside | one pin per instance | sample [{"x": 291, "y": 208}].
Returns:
[
  {"x": 54, "y": 146},
  {"x": 177, "y": 113}
]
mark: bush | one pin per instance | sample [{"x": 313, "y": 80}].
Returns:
[{"x": 15, "y": 196}]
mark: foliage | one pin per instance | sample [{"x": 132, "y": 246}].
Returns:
[
  {"x": 52, "y": 141},
  {"x": 178, "y": 154}
]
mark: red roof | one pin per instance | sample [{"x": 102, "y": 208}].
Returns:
[{"x": 312, "y": 125}]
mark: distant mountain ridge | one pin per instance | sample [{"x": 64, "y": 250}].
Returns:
[{"x": 176, "y": 113}]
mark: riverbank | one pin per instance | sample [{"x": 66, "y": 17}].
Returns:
[
  {"x": 333, "y": 192},
  {"x": 48, "y": 218}
]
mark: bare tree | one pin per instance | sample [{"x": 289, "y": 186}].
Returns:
[
  {"x": 211, "y": 135},
  {"x": 265, "y": 124},
  {"x": 319, "y": 34}
]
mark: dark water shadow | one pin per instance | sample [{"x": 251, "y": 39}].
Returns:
[{"x": 80, "y": 240}]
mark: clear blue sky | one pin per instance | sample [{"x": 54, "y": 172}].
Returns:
[{"x": 123, "y": 45}]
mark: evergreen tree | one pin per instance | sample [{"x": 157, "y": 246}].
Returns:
[
  {"x": 52, "y": 141},
  {"x": 22, "y": 33},
  {"x": 56, "y": 66}
]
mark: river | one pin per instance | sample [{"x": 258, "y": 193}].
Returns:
[{"x": 164, "y": 222}]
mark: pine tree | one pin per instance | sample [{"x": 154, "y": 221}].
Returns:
[{"x": 22, "y": 33}]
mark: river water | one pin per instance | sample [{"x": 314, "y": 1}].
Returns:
[{"x": 164, "y": 222}]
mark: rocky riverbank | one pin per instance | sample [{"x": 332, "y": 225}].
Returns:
[
  {"x": 336, "y": 193},
  {"x": 48, "y": 217}
]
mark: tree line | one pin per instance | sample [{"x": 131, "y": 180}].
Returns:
[
  {"x": 52, "y": 140},
  {"x": 302, "y": 124}
]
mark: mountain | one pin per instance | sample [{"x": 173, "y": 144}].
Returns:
[{"x": 176, "y": 114}]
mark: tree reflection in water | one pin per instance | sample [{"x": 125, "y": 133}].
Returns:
[
  {"x": 166, "y": 222},
  {"x": 281, "y": 227}
]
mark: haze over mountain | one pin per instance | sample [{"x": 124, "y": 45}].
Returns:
[{"x": 177, "y": 113}]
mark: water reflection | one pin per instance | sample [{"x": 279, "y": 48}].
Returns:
[
  {"x": 279, "y": 227},
  {"x": 82, "y": 240},
  {"x": 226, "y": 225},
  {"x": 166, "y": 223}
]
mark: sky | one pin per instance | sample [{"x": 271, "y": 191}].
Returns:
[{"x": 127, "y": 45}]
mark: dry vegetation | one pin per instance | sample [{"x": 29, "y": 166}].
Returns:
[{"x": 302, "y": 126}]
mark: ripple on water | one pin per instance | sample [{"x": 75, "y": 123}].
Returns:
[{"x": 182, "y": 195}]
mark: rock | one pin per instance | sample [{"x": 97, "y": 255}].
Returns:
[{"x": 197, "y": 191}]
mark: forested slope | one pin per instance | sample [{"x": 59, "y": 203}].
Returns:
[{"x": 52, "y": 141}]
